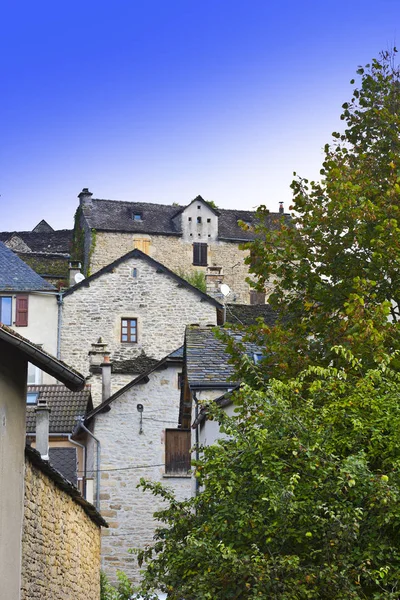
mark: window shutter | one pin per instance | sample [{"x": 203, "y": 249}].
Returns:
[
  {"x": 203, "y": 257},
  {"x": 200, "y": 254},
  {"x": 21, "y": 311},
  {"x": 142, "y": 244},
  {"x": 177, "y": 450}
]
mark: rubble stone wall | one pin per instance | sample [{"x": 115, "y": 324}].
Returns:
[{"x": 60, "y": 544}]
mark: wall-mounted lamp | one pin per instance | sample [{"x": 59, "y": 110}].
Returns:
[{"x": 140, "y": 411}]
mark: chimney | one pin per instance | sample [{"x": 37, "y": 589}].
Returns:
[
  {"x": 42, "y": 411},
  {"x": 74, "y": 267},
  {"x": 281, "y": 208},
  {"x": 85, "y": 197},
  {"x": 106, "y": 377},
  {"x": 97, "y": 354}
]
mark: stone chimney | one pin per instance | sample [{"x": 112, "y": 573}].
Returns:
[
  {"x": 74, "y": 267},
  {"x": 281, "y": 208},
  {"x": 106, "y": 377},
  {"x": 85, "y": 197},
  {"x": 97, "y": 354},
  {"x": 42, "y": 411}
]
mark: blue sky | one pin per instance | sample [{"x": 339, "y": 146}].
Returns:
[{"x": 160, "y": 101}]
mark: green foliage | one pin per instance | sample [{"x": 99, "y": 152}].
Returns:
[
  {"x": 299, "y": 501},
  {"x": 195, "y": 278},
  {"x": 78, "y": 238},
  {"x": 337, "y": 266},
  {"x": 93, "y": 239},
  {"x": 123, "y": 591}
]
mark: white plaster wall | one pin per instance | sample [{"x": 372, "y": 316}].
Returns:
[
  {"x": 12, "y": 443},
  {"x": 128, "y": 510},
  {"x": 199, "y": 232}
]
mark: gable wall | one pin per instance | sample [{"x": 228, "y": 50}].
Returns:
[
  {"x": 177, "y": 255},
  {"x": 162, "y": 310},
  {"x": 128, "y": 510}
]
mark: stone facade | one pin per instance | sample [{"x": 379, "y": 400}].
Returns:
[
  {"x": 177, "y": 255},
  {"x": 161, "y": 305},
  {"x": 127, "y": 509},
  {"x": 60, "y": 544}
]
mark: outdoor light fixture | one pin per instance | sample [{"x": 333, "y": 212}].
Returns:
[{"x": 140, "y": 411}]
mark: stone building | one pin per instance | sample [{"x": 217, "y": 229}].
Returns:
[
  {"x": 136, "y": 306},
  {"x": 196, "y": 237},
  {"x": 137, "y": 430}
]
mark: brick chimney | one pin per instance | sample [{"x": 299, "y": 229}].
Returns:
[
  {"x": 85, "y": 197},
  {"x": 42, "y": 411}
]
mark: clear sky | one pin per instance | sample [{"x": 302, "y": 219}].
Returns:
[{"x": 162, "y": 100}]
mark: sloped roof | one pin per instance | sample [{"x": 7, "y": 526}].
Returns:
[
  {"x": 42, "y": 227},
  {"x": 38, "y": 357},
  {"x": 115, "y": 215},
  {"x": 247, "y": 314},
  {"x": 16, "y": 276},
  {"x": 65, "y": 406},
  {"x": 58, "y": 241},
  {"x": 157, "y": 265},
  {"x": 173, "y": 357},
  {"x": 207, "y": 362}
]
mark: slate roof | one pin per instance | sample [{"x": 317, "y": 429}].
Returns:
[
  {"x": 247, "y": 314},
  {"x": 65, "y": 460},
  {"x": 207, "y": 362},
  {"x": 174, "y": 357},
  {"x": 64, "y": 405},
  {"x": 16, "y": 276},
  {"x": 58, "y": 241},
  {"x": 115, "y": 215}
]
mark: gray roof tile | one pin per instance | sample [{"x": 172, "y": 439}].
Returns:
[
  {"x": 247, "y": 314},
  {"x": 64, "y": 405},
  {"x": 58, "y": 241},
  {"x": 16, "y": 276}
]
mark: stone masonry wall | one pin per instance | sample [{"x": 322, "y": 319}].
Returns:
[
  {"x": 161, "y": 306},
  {"x": 60, "y": 544},
  {"x": 126, "y": 456},
  {"x": 177, "y": 255}
]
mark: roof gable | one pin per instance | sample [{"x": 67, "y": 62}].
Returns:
[
  {"x": 155, "y": 264},
  {"x": 17, "y": 276},
  {"x": 42, "y": 227}
]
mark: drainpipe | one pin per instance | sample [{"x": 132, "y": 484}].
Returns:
[
  {"x": 84, "y": 462},
  {"x": 81, "y": 425},
  {"x": 59, "y": 320},
  {"x": 197, "y": 452}
]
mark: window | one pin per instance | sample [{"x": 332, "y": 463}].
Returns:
[
  {"x": 34, "y": 375},
  {"x": 137, "y": 216},
  {"x": 180, "y": 375},
  {"x": 200, "y": 254},
  {"x": 257, "y": 297},
  {"x": 177, "y": 451},
  {"x": 32, "y": 397},
  {"x": 142, "y": 244},
  {"x": 128, "y": 330},
  {"x": 199, "y": 219},
  {"x": 189, "y": 218},
  {"x": 21, "y": 311},
  {"x": 134, "y": 272},
  {"x": 257, "y": 356},
  {"x": 198, "y": 207},
  {"x": 6, "y": 310},
  {"x": 208, "y": 220}
]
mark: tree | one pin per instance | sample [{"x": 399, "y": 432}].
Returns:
[
  {"x": 336, "y": 266},
  {"x": 299, "y": 501},
  {"x": 301, "y": 498}
]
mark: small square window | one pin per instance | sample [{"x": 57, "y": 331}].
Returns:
[
  {"x": 208, "y": 220},
  {"x": 128, "y": 330},
  {"x": 199, "y": 219},
  {"x": 189, "y": 218},
  {"x": 32, "y": 397},
  {"x": 198, "y": 207},
  {"x": 137, "y": 216}
]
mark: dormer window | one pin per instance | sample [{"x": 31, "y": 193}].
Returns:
[{"x": 137, "y": 216}]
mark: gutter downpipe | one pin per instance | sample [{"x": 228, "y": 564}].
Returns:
[
  {"x": 197, "y": 452},
  {"x": 83, "y": 426},
  {"x": 59, "y": 321}
]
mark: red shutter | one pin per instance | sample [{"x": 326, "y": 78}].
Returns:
[{"x": 21, "y": 311}]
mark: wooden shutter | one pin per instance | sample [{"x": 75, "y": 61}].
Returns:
[
  {"x": 21, "y": 311},
  {"x": 177, "y": 450},
  {"x": 200, "y": 254},
  {"x": 142, "y": 244}
]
